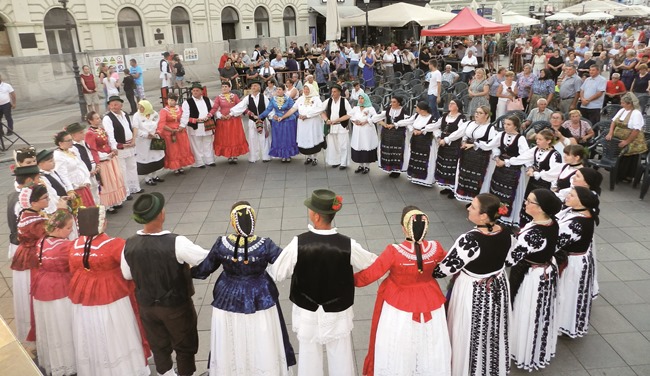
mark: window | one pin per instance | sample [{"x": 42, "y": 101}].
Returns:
[
  {"x": 289, "y": 19},
  {"x": 262, "y": 22},
  {"x": 130, "y": 28},
  {"x": 59, "y": 40},
  {"x": 229, "y": 22},
  {"x": 181, "y": 25}
]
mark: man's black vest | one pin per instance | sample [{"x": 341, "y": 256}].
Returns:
[
  {"x": 261, "y": 106},
  {"x": 323, "y": 275},
  {"x": 83, "y": 153},
  {"x": 159, "y": 279},
  {"x": 118, "y": 128},
  {"x": 342, "y": 110},
  {"x": 56, "y": 184},
  {"x": 194, "y": 110},
  {"x": 12, "y": 219}
]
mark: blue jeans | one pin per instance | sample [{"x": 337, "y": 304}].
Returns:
[
  {"x": 433, "y": 103},
  {"x": 354, "y": 68}
]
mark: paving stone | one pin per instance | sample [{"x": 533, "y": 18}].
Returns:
[
  {"x": 594, "y": 352},
  {"x": 632, "y": 347},
  {"x": 637, "y": 314},
  {"x": 606, "y": 319},
  {"x": 626, "y": 270}
]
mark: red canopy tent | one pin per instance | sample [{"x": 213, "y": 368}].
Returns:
[{"x": 467, "y": 22}]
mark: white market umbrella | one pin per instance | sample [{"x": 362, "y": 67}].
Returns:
[
  {"x": 474, "y": 5},
  {"x": 448, "y": 8},
  {"x": 562, "y": 16},
  {"x": 512, "y": 18},
  {"x": 594, "y": 6},
  {"x": 633, "y": 11},
  {"x": 398, "y": 15},
  {"x": 498, "y": 14},
  {"x": 595, "y": 16},
  {"x": 332, "y": 23}
]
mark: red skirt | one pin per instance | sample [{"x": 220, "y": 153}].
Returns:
[
  {"x": 178, "y": 153},
  {"x": 229, "y": 138},
  {"x": 86, "y": 196}
]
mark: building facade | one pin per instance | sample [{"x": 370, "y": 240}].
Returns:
[{"x": 38, "y": 27}]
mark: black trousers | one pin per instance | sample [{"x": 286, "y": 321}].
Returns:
[
  {"x": 592, "y": 114},
  {"x": 172, "y": 329},
  {"x": 130, "y": 96}
]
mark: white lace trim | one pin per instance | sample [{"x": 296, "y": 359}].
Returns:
[
  {"x": 251, "y": 248},
  {"x": 427, "y": 252}
]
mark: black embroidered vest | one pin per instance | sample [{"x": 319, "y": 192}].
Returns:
[
  {"x": 261, "y": 106},
  {"x": 58, "y": 187},
  {"x": 118, "y": 128},
  {"x": 342, "y": 111}
]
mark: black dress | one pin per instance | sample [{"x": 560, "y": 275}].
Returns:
[
  {"x": 392, "y": 142},
  {"x": 447, "y": 161}
]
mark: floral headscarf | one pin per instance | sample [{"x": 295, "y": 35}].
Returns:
[
  {"x": 366, "y": 100},
  {"x": 148, "y": 108}
]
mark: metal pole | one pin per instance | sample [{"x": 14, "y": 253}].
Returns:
[
  {"x": 75, "y": 66},
  {"x": 367, "y": 39}
]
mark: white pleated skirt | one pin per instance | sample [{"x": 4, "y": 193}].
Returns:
[
  {"x": 478, "y": 319},
  {"x": 533, "y": 335},
  {"x": 407, "y": 347},
  {"x": 574, "y": 295},
  {"x": 21, "y": 288},
  {"x": 54, "y": 342},
  {"x": 247, "y": 344},
  {"x": 107, "y": 340}
]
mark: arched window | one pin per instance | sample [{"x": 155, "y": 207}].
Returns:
[
  {"x": 181, "y": 25},
  {"x": 229, "y": 22},
  {"x": 130, "y": 28},
  {"x": 5, "y": 45},
  {"x": 58, "y": 39},
  {"x": 262, "y": 22},
  {"x": 289, "y": 19}
]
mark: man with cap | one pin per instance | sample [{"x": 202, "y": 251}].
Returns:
[
  {"x": 196, "y": 111},
  {"x": 159, "y": 261},
  {"x": 336, "y": 115},
  {"x": 320, "y": 262},
  {"x": 57, "y": 185},
  {"x": 259, "y": 137},
  {"x": 121, "y": 137},
  {"x": 165, "y": 71},
  {"x": 78, "y": 133}
]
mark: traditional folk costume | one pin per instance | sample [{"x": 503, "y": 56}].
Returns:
[
  {"x": 565, "y": 176},
  {"x": 625, "y": 122},
  {"x": 107, "y": 334},
  {"x": 409, "y": 333},
  {"x": 259, "y": 139},
  {"x": 338, "y": 138},
  {"x": 546, "y": 164},
  {"x": 364, "y": 141},
  {"x": 577, "y": 285},
  {"x": 310, "y": 136},
  {"x": 229, "y": 137},
  {"x": 159, "y": 264},
  {"x": 474, "y": 163},
  {"x": 249, "y": 335},
  {"x": 423, "y": 148},
  {"x": 52, "y": 308},
  {"x": 283, "y": 139},
  {"x": 201, "y": 138},
  {"x": 112, "y": 189},
  {"x": 120, "y": 132},
  {"x": 479, "y": 306},
  {"x": 149, "y": 161},
  {"x": 87, "y": 159},
  {"x": 507, "y": 183},
  {"x": 177, "y": 153},
  {"x": 451, "y": 131},
  {"x": 31, "y": 228},
  {"x": 393, "y": 142},
  {"x": 533, "y": 289},
  {"x": 57, "y": 184},
  {"x": 68, "y": 163},
  {"x": 322, "y": 316}
]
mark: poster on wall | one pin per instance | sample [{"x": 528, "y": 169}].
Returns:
[
  {"x": 139, "y": 58},
  {"x": 152, "y": 60},
  {"x": 116, "y": 60},
  {"x": 191, "y": 54}
]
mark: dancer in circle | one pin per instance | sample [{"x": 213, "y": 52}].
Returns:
[
  {"x": 393, "y": 140},
  {"x": 533, "y": 284},
  {"x": 229, "y": 137},
  {"x": 409, "y": 326},
  {"x": 68, "y": 163},
  {"x": 452, "y": 129},
  {"x": 177, "y": 152},
  {"x": 249, "y": 335},
  {"x": 150, "y": 161},
  {"x": 424, "y": 129},
  {"x": 310, "y": 136},
  {"x": 479, "y": 307},
  {"x": 283, "y": 126},
  {"x": 254, "y": 104},
  {"x": 364, "y": 142}
]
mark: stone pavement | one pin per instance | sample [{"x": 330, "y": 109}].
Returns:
[{"x": 618, "y": 342}]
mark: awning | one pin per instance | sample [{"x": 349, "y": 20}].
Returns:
[{"x": 344, "y": 11}]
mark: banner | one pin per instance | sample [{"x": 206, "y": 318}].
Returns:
[
  {"x": 116, "y": 60},
  {"x": 191, "y": 54}
]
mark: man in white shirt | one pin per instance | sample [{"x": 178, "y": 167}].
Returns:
[
  {"x": 279, "y": 66},
  {"x": 336, "y": 113},
  {"x": 259, "y": 135},
  {"x": 521, "y": 40},
  {"x": 121, "y": 137},
  {"x": 449, "y": 76},
  {"x": 435, "y": 85},
  {"x": 195, "y": 113},
  {"x": 165, "y": 71},
  {"x": 267, "y": 72},
  {"x": 469, "y": 64},
  {"x": 322, "y": 288},
  {"x": 387, "y": 62},
  {"x": 592, "y": 95},
  {"x": 7, "y": 103},
  {"x": 356, "y": 91}
]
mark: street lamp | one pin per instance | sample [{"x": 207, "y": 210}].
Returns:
[
  {"x": 544, "y": 17},
  {"x": 75, "y": 65},
  {"x": 366, "y": 36}
]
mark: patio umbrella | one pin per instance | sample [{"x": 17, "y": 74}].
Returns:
[
  {"x": 594, "y": 6},
  {"x": 448, "y": 8},
  {"x": 562, "y": 16},
  {"x": 333, "y": 23},
  {"x": 398, "y": 15},
  {"x": 512, "y": 18},
  {"x": 595, "y": 16},
  {"x": 474, "y": 5},
  {"x": 498, "y": 14},
  {"x": 632, "y": 11}
]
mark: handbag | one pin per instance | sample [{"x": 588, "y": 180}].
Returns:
[
  {"x": 361, "y": 64},
  {"x": 157, "y": 144},
  {"x": 209, "y": 124},
  {"x": 515, "y": 105}
]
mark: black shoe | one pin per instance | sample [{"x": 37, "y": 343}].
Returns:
[
  {"x": 335, "y": 166},
  {"x": 202, "y": 166},
  {"x": 212, "y": 164},
  {"x": 365, "y": 170},
  {"x": 314, "y": 162},
  {"x": 181, "y": 171},
  {"x": 129, "y": 197},
  {"x": 150, "y": 182},
  {"x": 159, "y": 179},
  {"x": 394, "y": 175},
  {"x": 308, "y": 161},
  {"x": 111, "y": 210},
  {"x": 358, "y": 170},
  {"x": 9, "y": 133},
  {"x": 140, "y": 191},
  {"x": 118, "y": 206},
  {"x": 451, "y": 195},
  {"x": 343, "y": 167},
  {"x": 445, "y": 191},
  {"x": 266, "y": 160},
  {"x": 288, "y": 160},
  {"x": 234, "y": 160}
]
